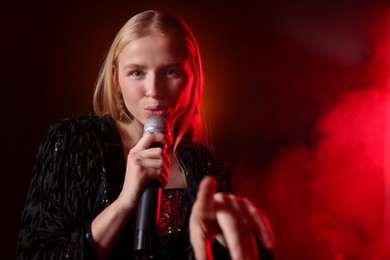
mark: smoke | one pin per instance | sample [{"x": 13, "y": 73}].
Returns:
[
  {"x": 340, "y": 183},
  {"x": 327, "y": 200}
]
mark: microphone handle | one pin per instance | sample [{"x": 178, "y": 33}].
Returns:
[{"x": 148, "y": 217}]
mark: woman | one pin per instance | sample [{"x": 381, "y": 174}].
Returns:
[{"x": 91, "y": 170}]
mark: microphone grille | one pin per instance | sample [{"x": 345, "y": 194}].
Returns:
[{"x": 156, "y": 124}]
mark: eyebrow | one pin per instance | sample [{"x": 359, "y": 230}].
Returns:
[
  {"x": 173, "y": 64},
  {"x": 133, "y": 65},
  {"x": 138, "y": 66}
]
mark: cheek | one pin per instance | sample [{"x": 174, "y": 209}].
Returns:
[
  {"x": 185, "y": 94},
  {"x": 131, "y": 94},
  {"x": 183, "y": 101},
  {"x": 128, "y": 88}
]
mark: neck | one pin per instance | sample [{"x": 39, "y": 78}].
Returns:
[{"x": 130, "y": 132}]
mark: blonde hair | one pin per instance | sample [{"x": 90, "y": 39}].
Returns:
[{"x": 105, "y": 100}]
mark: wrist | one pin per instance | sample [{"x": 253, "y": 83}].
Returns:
[{"x": 124, "y": 205}]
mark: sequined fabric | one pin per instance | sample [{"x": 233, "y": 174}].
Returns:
[{"x": 173, "y": 220}]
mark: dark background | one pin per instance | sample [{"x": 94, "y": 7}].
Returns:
[{"x": 295, "y": 95}]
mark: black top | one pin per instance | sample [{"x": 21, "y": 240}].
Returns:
[{"x": 79, "y": 171}]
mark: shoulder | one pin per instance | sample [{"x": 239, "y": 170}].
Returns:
[
  {"x": 194, "y": 150},
  {"x": 77, "y": 132},
  {"x": 197, "y": 161},
  {"x": 89, "y": 123}
]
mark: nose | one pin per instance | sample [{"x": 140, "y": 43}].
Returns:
[{"x": 153, "y": 87}]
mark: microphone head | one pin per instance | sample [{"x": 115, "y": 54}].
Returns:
[{"x": 157, "y": 124}]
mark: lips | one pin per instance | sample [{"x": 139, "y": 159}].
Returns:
[{"x": 156, "y": 110}]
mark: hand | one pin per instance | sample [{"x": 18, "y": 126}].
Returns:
[
  {"x": 143, "y": 164},
  {"x": 230, "y": 219}
]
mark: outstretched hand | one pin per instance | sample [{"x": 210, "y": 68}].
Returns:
[{"x": 232, "y": 220}]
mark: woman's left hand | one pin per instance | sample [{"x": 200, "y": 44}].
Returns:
[{"x": 232, "y": 220}]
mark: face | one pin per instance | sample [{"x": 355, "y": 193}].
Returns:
[{"x": 155, "y": 78}]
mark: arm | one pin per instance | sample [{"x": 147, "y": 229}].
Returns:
[
  {"x": 142, "y": 165},
  {"x": 56, "y": 218}
]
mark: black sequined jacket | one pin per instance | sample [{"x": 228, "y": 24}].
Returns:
[{"x": 79, "y": 171}]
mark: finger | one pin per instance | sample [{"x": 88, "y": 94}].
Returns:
[
  {"x": 149, "y": 164},
  {"x": 149, "y": 138},
  {"x": 206, "y": 191},
  {"x": 202, "y": 218},
  {"x": 204, "y": 208},
  {"x": 236, "y": 227},
  {"x": 201, "y": 247},
  {"x": 153, "y": 158},
  {"x": 262, "y": 225}
]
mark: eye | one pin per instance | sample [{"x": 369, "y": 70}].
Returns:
[
  {"x": 136, "y": 73},
  {"x": 173, "y": 72}
]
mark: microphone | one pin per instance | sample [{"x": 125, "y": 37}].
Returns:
[{"x": 148, "y": 216}]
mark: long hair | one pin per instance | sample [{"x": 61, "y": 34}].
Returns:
[{"x": 189, "y": 125}]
